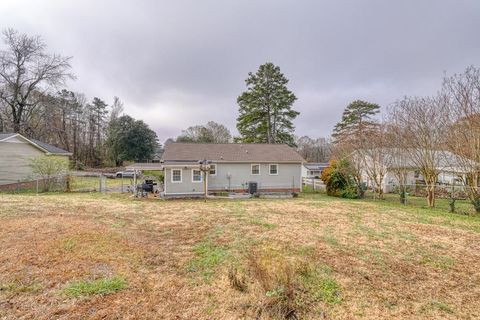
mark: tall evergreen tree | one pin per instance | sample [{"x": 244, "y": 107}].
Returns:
[
  {"x": 266, "y": 113},
  {"x": 356, "y": 119},
  {"x": 99, "y": 108}
]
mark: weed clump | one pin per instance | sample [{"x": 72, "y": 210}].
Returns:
[{"x": 283, "y": 286}]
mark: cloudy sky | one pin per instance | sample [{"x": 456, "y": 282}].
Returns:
[{"x": 179, "y": 63}]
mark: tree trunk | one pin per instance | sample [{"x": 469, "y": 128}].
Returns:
[
  {"x": 431, "y": 196},
  {"x": 403, "y": 194},
  {"x": 476, "y": 205}
]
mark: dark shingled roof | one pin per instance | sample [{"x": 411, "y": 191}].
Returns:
[
  {"x": 230, "y": 152},
  {"x": 48, "y": 147}
]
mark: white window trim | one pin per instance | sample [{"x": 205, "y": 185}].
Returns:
[
  {"x": 171, "y": 176},
  {"x": 269, "y": 169},
  {"x": 201, "y": 176},
  {"x": 259, "y": 169},
  {"x": 213, "y": 175}
]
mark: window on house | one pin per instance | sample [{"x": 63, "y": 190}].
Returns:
[
  {"x": 176, "y": 175},
  {"x": 255, "y": 169},
  {"x": 416, "y": 174},
  {"x": 213, "y": 169},
  {"x": 196, "y": 175},
  {"x": 274, "y": 169}
]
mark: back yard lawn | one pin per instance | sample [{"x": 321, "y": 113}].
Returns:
[{"x": 80, "y": 256}]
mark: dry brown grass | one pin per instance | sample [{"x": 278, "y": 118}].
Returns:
[{"x": 310, "y": 258}]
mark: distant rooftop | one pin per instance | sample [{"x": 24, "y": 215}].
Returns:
[{"x": 316, "y": 165}]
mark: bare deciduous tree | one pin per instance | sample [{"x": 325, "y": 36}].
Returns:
[
  {"x": 314, "y": 150},
  {"x": 373, "y": 155},
  {"x": 212, "y": 132},
  {"x": 25, "y": 68},
  {"x": 462, "y": 94},
  {"x": 420, "y": 130}
]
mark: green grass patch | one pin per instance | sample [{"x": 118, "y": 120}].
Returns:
[
  {"x": 320, "y": 285},
  {"x": 208, "y": 256},
  {"x": 69, "y": 244},
  {"x": 438, "y": 305},
  {"x": 102, "y": 287},
  {"x": 440, "y": 262},
  {"x": 329, "y": 238},
  {"x": 261, "y": 223}
]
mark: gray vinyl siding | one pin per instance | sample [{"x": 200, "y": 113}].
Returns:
[
  {"x": 289, "y": 176},
  {"x": 15, "y": 159},
  {"x": 184, "y": 187}
]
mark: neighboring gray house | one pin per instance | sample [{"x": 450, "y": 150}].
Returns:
[
  {"x": 313, "y": 169},
  {"x": 448, "y": 165},
  {"x": 16, "y": 151},
  {"x": 233, "y": 167}
]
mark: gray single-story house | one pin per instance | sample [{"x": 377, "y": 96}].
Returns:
[
  {"x": 233, "y": 167},
  {"x": 313, "y": 169},
  {"x": 16, "y": 152}
]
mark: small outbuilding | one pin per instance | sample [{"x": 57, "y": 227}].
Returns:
[{"x": 16, "y": 153}]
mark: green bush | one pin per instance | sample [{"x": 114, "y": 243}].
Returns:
[
  {"x": 338, "y": 180},
  {"x": 349, "y": 192}
]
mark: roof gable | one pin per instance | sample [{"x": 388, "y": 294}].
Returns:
[
  {"x": 4, "y": 136},
  {"x": 230, "y": 152},
  {"x": 45, "y": 147}
]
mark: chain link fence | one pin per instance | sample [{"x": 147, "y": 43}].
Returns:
[
  {"x": 452, "y": 198},
  {"x": 72, "y": 182}
]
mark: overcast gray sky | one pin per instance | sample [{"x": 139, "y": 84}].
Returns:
[{"x": 180, "y": 63}]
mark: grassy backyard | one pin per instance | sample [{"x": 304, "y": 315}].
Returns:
[{"x": 80, "y": 256}]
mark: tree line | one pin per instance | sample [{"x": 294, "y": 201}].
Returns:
[
  {"x": 430, "y": 134},
  {"x": 35, "y": 102}
]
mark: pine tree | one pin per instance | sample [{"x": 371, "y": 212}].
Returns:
[
  {"x": 356, "y": 119},
  {"x": 265, "y": 109}
]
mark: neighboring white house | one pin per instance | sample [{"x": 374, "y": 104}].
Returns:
[
  {"x": 447, "y": 164},
  {"x": 16, "y": 152},
  {"x": 313, "y": 169},
  {"x": 234, "y": 167}
]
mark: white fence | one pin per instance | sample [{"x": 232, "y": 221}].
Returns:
[{"x": 313, "y": 184}]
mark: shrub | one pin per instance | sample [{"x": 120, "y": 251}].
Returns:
[
  {"x": 338, "y": 181},
  {"x": 49, "y": 168}
]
